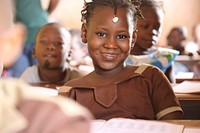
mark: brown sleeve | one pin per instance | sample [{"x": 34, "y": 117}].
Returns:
[
  {"x": 163, "y": 98},
  {"x": 64, "y": 91}
]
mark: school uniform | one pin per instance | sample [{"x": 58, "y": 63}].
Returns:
[{"x": 137, "y": 92}]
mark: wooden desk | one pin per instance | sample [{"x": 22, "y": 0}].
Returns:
[
  {"x": 190, "y": 104},
  {"x": 186, "y": 123},
  {"x": 190, "y": 126},
  {"x": 187, "y": 79},
  {"x": 188, "y": 96}
]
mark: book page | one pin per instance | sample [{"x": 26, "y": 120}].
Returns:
[
  {"x": 95, "y": 125},
  {"x": 123, "y": 125},
  {"x": 187, "y": 87}
]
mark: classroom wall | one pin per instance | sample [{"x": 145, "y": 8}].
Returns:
[{"x": 177, "y": 12}]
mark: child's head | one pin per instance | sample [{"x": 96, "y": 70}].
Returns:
[
  {"x": 176, "y": 36},
  {"x": 149, "y": 28},
  {"x": 109, "y": 29},
  {"x": 52, "y": 46}
]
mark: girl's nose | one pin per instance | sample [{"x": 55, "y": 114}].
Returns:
[{"x": 111, "y": 43}]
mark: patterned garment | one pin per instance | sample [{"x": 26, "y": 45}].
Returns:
[{"x": 162, "y": 58}]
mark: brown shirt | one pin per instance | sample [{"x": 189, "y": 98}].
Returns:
[{"x": 137, "y": 92}]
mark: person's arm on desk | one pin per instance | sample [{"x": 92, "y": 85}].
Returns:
[{"x": 172, "y": 116}]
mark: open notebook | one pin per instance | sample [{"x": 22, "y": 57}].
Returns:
[{"x": 125, "y": 125}]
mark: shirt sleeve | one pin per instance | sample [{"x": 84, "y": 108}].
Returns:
[{"x": 163, "y": 98}]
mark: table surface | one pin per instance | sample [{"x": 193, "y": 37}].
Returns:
[
  {"x": 179, "y": 80},
  {"x": 187, "y": 96},
  {"x": 186, "y": 123}
]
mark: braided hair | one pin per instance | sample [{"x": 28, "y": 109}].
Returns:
[
  {"x": 132, "y": 5},
  {"x": 152, "y": 3}
]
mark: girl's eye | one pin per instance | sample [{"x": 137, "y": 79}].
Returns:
[
  {"x": 44, "y": 42},
  {"x": 122, "y": 36},
  {"x": 101, "y": 34}
]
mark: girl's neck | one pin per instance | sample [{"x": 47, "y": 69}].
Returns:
[{"x": 112, "y": 72}]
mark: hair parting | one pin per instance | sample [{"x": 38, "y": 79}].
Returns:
[{"x": 89, "y": 7}]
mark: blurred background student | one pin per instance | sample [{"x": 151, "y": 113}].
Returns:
[
  {"x": 146, "y": 48},
  {"x": 52, "y": 48},
  {"x": 176, "y": 40}
]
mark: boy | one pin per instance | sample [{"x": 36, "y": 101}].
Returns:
[{"x": 51, "y": 50}]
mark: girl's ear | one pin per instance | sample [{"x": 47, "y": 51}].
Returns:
[
  {"x": 84, "y": 33},
  {"x": 134, "y": 38}
]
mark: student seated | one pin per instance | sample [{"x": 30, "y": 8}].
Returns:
[
  {"x": 149, "y": 31},
  {"x": 176, "y": 38},
  {"x": 24, "y": 110},
  {"x": 115, "y": 89},
  {"x": 51, "y": 50}
]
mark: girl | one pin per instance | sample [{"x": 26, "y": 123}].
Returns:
[
  {"x": 114, "y": 89},
  {"x": 149, "y": 31}
]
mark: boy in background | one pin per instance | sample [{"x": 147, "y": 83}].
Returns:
[{"x": 52, "y": 47}]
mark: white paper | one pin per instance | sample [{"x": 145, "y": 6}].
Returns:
[
  {"x": 44, "y": 91},
  {"x": 122, "y": 125},
  {"x": 187, "y": 87}
]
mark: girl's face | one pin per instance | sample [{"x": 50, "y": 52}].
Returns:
[
  {"x": 52, "y": 47},
  {"x": 149, "y": 28},
  {"x": 108, "y": 42}
]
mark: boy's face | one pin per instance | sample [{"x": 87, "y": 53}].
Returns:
[
  {"x": 108, "y": 42},
  {"x": 149, "y": 28},
  {"x": 52, "y": 47}
]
